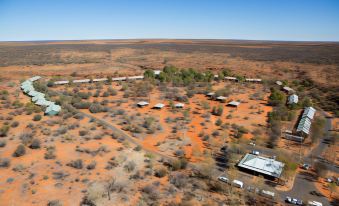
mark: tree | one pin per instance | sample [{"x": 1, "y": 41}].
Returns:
[
  {"x": 149, "y": 74},
  {"x": 276, "y": 97},
  {"x": 110, "y": 186}
]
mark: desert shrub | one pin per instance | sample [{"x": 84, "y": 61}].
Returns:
[
  {"x": 217, "y": 110},
  {"x": 160, "y": 172},
  {"x": 4, "y": 162},
  {"x": 50, "y": 153},
  {"x": 105, "y": 94},
  {"x": 15, "y": 124},
  {"x": 77, "y": 164},
  {"x": 37, "y": 117},
  {"x": 112, "y": 91},
  {"x": 26, "y": 138},
  {"x": 82, "y": 105},
  {"x": 179, "y": 153},
  {"x": 96, "y": 108},
  {"x": 138, "y": 148},
  {"x": 130, "y": 166},
  {"x": 2, "y": 143},
  {"x": 178, "y": 179},
  {"x": 151, "y": 192},
  {"x": 92, "y": 165},
  {"x": 4, "y": 130},
  {"x": 35, "y": 144},
  {"x": 83, "y": 132},
  {"x": 19, "y": 151},
  {"x": 178, "y": 164},
  {"x": 84, "y": 95},
  {"x": 218, "y": 122},
  {"x": 54, "y": 203}
]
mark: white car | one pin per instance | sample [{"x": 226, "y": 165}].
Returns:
[
  {"x": 314, "y": 203},
  {"x": 224, "y": 179},
  {"x": 255, "y": 152}
]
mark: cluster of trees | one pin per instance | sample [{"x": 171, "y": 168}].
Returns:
[{"x": 183, "y": 77}]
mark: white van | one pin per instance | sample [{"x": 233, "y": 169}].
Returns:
[
  {"x": 314, "y": 203},
  {"x": 237, "y": 183}
]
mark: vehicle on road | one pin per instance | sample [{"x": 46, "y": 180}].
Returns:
[
  {"x": 306, "y": 166},
  {"x": 252, "y": 143},
  {"x": 238, "y": 183},
  {"x": 223, "y": 179},
  {"x": 314, "y": 203},
  {"x": 293, "y": 201},
  {"x": 329, "y": 179},
  {"x": 255, "y": 152}
]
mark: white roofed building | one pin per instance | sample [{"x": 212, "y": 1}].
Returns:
[
  {"x": 158, "y": 106},
  {"x": 142, "y": 104},
  {"x": 293, "y": 99},
  {"x": 52, "y": 109},
  {"x": 233, "y": 104},
  {"x": 269, "y": 168},
  {"x": 179, "y": 105}
]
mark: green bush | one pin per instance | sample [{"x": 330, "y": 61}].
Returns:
[
  {"x": 37, "y": 117},
  {"x": 20, "y": 151}
]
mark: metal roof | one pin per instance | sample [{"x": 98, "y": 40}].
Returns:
[
  {"x": 32, "y": 79},
  {"x": 100, "y": 80},
  {"x": 81, "y": 81},
  {"x": 293, "y": 99},
  {"x": 159, "y": 105},
  {"x": 119, "y": 78},
  {"x": 37, "y": 97},
  {"x": 234, "y": 103},
  {"x": 157, "y": 72},
  {"x": 309, "y": 112},
  {"x": 231, "y": 78},
  {"x": 135, "y": 77},
  {"x": 304, "y": 125},
  {"x": 179, "y": 105},
  {"x": 53, "y": 109},
  {"x": 61, "y": 82},
  {"x": 142, "y": 103},
  {"x": 262, "y": 165},
  {"x": 221, "y": 98}
]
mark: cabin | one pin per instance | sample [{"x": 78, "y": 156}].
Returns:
[
  {"x": 142, "y": 104},
  {"x": 237, "y": 183},
  {"x": 293, "y": 99},
  {"x": 61, "y": 82},
  {"x": 82, "y": 81},
  {"x": 279, "y": 83},
  {"x": 221, "y": 98},
  {"x": 158, "y": 106},
  {"x": 253, "y": 80},
  {"x": 259, "y": 165},
  {"x": 179, "y": 105},
  {"x": 135, "y": 77},
  {"x": 231, "y": 78},
  {"x": 119, "y": 79},
  {"x": 288, "y": 90},
  {"x": 52, "y": 109},
  {"x": 157, "y": 72},
  {"x": 210, "y": 94},
  {"x": 100, "y": 80},
  {"x": 233, "y": 104}
]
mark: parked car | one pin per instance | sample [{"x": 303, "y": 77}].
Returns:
[
  {"x": 293, "y": 201},
  {"x": 255, "y": 152},
  {"x": 306, "y": 166},
  {"x": 329, "y": 180},
  {"x": 252, "y": 143},
  {"x": 224, "y": 179},
  {"x": 314, "y": 203},
  {"x": 237, "y": 183}
]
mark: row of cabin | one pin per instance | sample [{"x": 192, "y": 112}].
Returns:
[
  {"x": 39, "y": 98},
  {"x": 159, "y": 105},
  {"x": 114, "y": 79},
  {"x": 246, "y": 79},
  {"x": 223, "y": 99},
  {"x": 293, "y": 98}
]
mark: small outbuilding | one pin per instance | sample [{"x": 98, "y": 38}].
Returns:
[
  {"x": 210, "y": 94},
  {"x": 221, "y": 98},
  {"x": 142, "y": 104},
  {"x": 233, "y": 104},
  {"x": 158, "y": 106},
  {"x": 179, "y": 105},
  {"x": 293, "y": 99},
  {"x": 289, "y": 90}
]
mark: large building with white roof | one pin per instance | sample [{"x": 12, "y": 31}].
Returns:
[
  {"x": 258, "y": 165},
  {"x": 305, "y": 122}
]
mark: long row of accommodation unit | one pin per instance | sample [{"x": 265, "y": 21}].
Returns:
[
  {"x": 99, "y": 80},
  {"x": 246, "y": 79},
  {"x": 39, "y": 98},
  {"x": 305, "y": 122}
]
